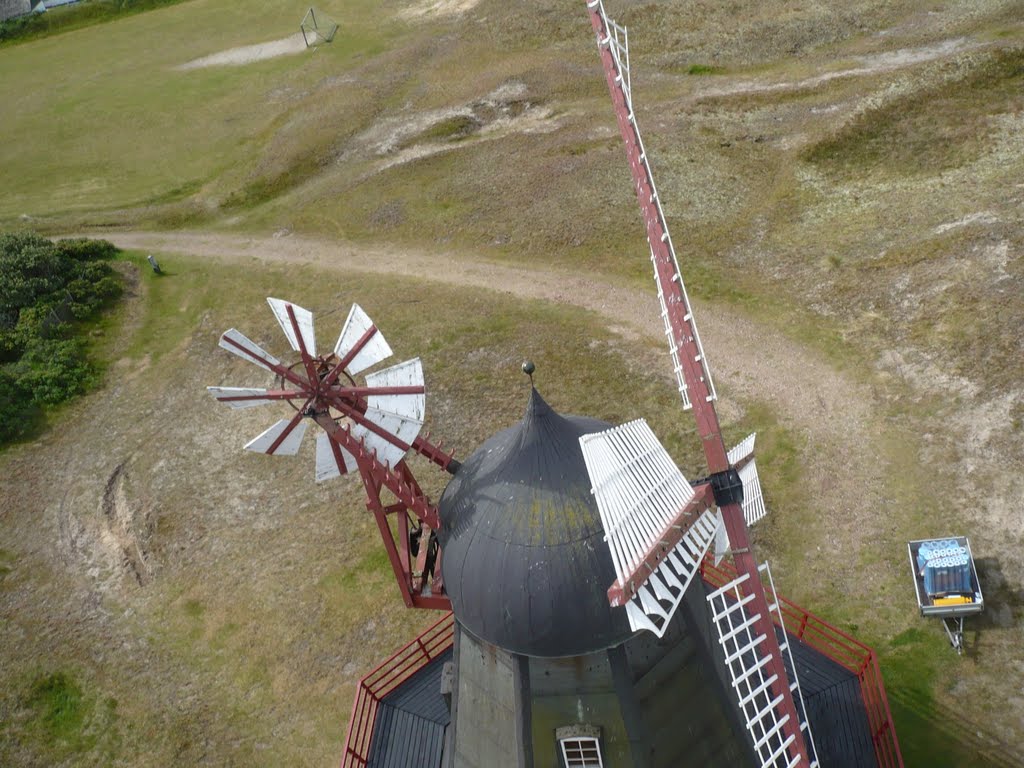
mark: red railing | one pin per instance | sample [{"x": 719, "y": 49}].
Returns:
[
  {"x": 842, "y": 649},
  {"x": 402, "y": 665}
]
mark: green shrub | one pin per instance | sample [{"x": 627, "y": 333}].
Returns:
[{"x": 48, "y": 292}]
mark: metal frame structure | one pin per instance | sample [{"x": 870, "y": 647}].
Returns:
[
  {"x": 316, "y": 30},
  {"x": 692, "y": 373},
  {"x": 368, "y": 429}
]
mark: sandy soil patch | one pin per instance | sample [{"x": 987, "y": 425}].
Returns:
[
  {"x": 437, "y": 8},
  {"x": 247, "y": 54},
  {"x": 872, "y": 64}
]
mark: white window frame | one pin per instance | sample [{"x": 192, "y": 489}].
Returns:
[{"x": 581, "y": 751}]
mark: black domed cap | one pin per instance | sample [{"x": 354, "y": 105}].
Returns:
[{"x": 524, "y": 558}]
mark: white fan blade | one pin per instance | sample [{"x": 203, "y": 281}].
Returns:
[
  {"x": 387, "y": 452},
  {"x": 753, "y": 500},
  {"x": 721, "y": 539},
  {"x": 370, "y": 352},
  {"x": 742, "y": 449},
  {"x": 331, "y": 459},
  {"x": 237, "y": 343},
  {"x": 287, "y": 435},
  {"x": 241, "y": 397},
  {"x": 407, "y": 374},
  {"x": 304, "y": 319}
]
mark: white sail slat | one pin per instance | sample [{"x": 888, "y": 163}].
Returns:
[
  {"x": 747, "y": 661},
  {"x": 331, "y": 459},
  {"x": 640, "y": 493},
  {"x": 237, "y": 343},
  {"x": 251, "y": 395},
  {"x": 753, "y": 499},
  {"x": 372, "y": 351},
  {"x": 754, "y": 508},
  {"x": 411, "y": 407},
  {"x": 289, "y": 446},
  {"x": 304, "y": 319}
]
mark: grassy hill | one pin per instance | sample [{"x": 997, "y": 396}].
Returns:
[{"x": 842, "y": 180}]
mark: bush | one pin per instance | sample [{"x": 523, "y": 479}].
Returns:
[
  {"x": 16, "y": 408},
  {"x": 48, "y": 291}
]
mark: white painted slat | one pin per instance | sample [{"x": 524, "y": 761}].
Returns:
[
  {"x": 721, "y": 539},
  {"x": 288, "y": 447},
  {"x": 327, "y": 465},
  {"x": 638, "y": 619},
  {"x": 747, "y": 661},
  {"x": 407, "y": 374},
  {"x": 375, "y": 349},
  {"x": 639, "y": 492},
  {"x": 303, "y": 317},
  {"x": 753, "y": 499},
  {"x": 250, "y": 350},
  {"x": 221, "y": 392},
  {"x": 743, "y": 449}
]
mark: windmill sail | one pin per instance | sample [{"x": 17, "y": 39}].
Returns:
[
  {"x": 748, "y": 657},
  {"x": 305, "y": 339},
  {"x": 689, "y": 363},
  {"x": 641, "y": 495},
  {"x": 360, "y": 344},
  {"x": 742, "y": 456}
]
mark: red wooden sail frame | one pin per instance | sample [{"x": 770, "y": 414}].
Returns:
[{"x": 690, "y": 357}]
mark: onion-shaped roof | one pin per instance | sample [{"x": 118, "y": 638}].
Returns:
[{"x": 524, "y": 561}]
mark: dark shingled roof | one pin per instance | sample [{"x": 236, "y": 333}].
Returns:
[{"x": 525, "y": 564}]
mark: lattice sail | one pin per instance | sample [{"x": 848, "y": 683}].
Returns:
[
  {"x": 748, "y": 661},
  {"x": 753, "y": 500},
  {"x": 616, "y": 40},
  {"x": 640, "y": 494}
]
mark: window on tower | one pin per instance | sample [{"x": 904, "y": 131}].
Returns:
[{"x": 580, "y": 746}]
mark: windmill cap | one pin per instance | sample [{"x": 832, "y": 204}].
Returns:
[{"x": 525, "y": 563}]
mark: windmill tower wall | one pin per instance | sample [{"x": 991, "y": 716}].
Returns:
[
  {"x": 651, "y": 702},
  {"x": 541, "y": 659}
]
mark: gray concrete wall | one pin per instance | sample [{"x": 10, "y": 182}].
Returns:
[
  {"x": 11, "y": 8},
  {"x": 485, "y": 731}
]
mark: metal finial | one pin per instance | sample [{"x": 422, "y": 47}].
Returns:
[{"x": 528, "y": 369}]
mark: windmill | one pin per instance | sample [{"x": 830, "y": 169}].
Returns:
[
  {"x": 573, "y": 556},
  {"x": 655, "y": 520},
  {"x": 366, "y": 429}
]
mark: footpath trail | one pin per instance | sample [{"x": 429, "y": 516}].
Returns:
[{"x": 829, "y": 410}]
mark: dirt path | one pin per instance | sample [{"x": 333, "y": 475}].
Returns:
[
  {"x": 829, "y": 411},
  {"x": 755, "y": 361}
]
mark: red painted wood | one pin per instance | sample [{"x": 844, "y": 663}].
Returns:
[
  {"x": 844, "y": 650},
  {"x": 688, "y": 354},
  {"x": 622, "y": 592},
  {"x": 386, "y": 677}
]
